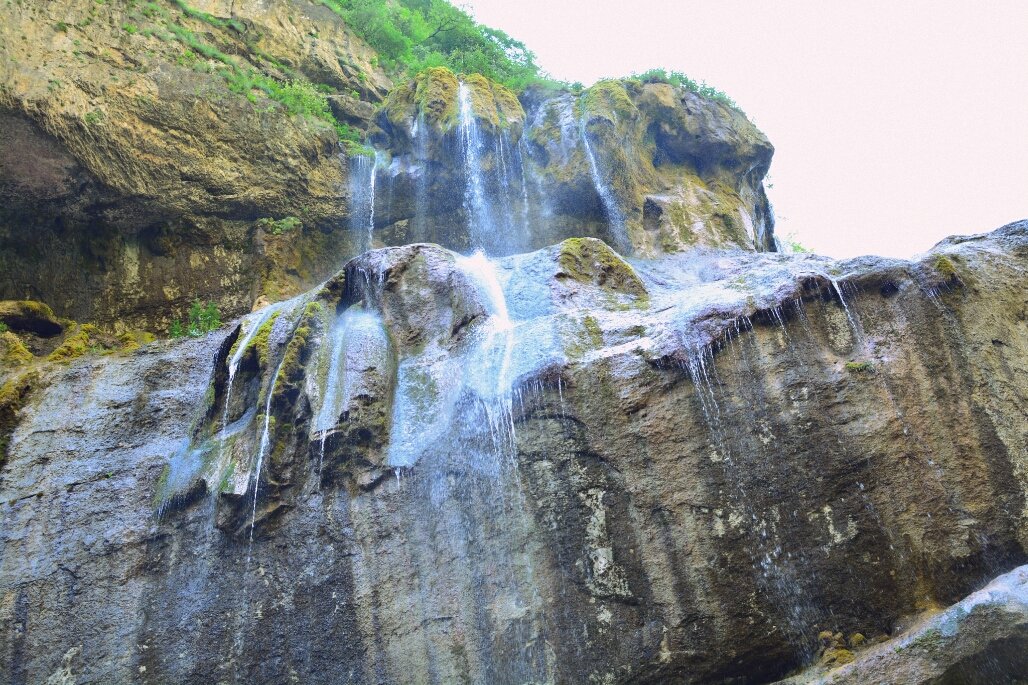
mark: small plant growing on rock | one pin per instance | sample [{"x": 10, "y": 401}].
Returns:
[
  {"x": 3, "y": 327},
  {"x": 860, "y": 367},
  {"x": 202, "y": 319},
  {"x": 279, "y": 226}
]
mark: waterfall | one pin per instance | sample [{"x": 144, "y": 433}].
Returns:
[
  {"x": 363, "y": 172},
  {"x": 615, "y": 218},
  {"x": 233, "y": 364},
  {"x": 845, "y": 307},
  {"x": 265, "y": 439},
  {"x": 348, "y": 350},
  {"x": 475, "y": 201}
]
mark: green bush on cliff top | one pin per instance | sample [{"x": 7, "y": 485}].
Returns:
[
  {"x": 677, "y": 78},
  {"x": 412, "y": 35}
]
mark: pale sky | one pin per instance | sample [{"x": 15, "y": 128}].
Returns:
[{"x": 895, "y": 124}]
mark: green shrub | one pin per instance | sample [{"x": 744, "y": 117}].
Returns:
[
  {"x": 412, "y": 35},
  {"x": 794, "y": 246},
  {"x": 202, "y": 319},
  {"x": 3, "y": 327},
  {"x": 129, "y": 28},
  {"x": 677, "y": 78},
  {"x": 279, "y": 226}
]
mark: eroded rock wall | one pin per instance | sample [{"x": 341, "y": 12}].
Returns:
[
  {"x": 136, "y": 163},
  {"x": 701, "y": 465}
]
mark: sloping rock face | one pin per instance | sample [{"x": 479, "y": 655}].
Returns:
[
  {"x": 649, "y": 167},
  {"x": 555, "y": 467},
  {"x": 138, "y": 153},
  {"x": 980, "y": 639}
]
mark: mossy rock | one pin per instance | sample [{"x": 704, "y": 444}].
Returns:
[
  {"x": 13, "y": 351},
  {"x": 84, "y": 338},
  {"x": 837, "y": 656},
  {"x": 494, "y": 103},
  {"x": 262, "y": 339},
  {"x": 31, "y": 316},
  {"x": 13, "y": 395},
  {"x": 946, "y": 267},
  {"x": 589, "y": 260},
  {"x": 432, "y": 96},
  {"x": 608, "y": 100}
]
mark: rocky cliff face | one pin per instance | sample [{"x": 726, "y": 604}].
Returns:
[
  {"x": 154, "y": 154},
  {"x": 648, "y": 167},
  {"x": 546, "y": 406},
  {"x": 139, "y": 155},
  {"x": 554, "y": 467}
]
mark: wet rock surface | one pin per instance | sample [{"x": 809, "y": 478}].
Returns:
[
  {"x": 555, "y": 467},
  {"x": 980, "y": 639},
  {"x": 648, "y": 167}
]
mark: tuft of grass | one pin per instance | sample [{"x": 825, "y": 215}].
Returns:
[
  {"x": 860, "y": 367},
  {"x": 218, "y": 22}
]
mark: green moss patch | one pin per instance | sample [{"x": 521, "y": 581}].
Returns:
[
  {"x": 610, "y": 100},
  {"x": 13, "y": 351},
  {"x": 588, "y": 260}
]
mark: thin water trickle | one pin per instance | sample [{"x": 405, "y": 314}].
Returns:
[
  {"x": 265, "y": 439},
  {"x": 233, "y": 366},
  {"x": 615, "y": 218},
  {"x": 846, "y": 308}
]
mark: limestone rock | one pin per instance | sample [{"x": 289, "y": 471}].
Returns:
[
  {"x": 595, "y": 485},
  {"x": 649, "y": 167},
  {"x": 135, "y": 158},
  {"x": 980, "y": 639},
  {"x": 33, "y": 317}
]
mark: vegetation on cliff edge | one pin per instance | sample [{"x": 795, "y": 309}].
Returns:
[{"x": 413, "y": 35}]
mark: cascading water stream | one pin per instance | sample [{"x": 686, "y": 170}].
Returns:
[
  {"x": 475, "y": 200},
  {"x": 265, "y": 439},
  {"x": 363, "y": 172},
  {"x": 615, "y": 218},
  {"x": 233, "y": 366},
  {"x": 356, "y": 334},
  {"x": 846, "y": 308}
]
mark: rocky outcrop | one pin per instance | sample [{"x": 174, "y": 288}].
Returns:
[
  {"x": 156, "y": 154},
  {"x": 650, "y": 167},
  {"x": 142, "y": 143},
  {"x": 554, "y": 467},
  {"x": 980, "y": 639}
]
